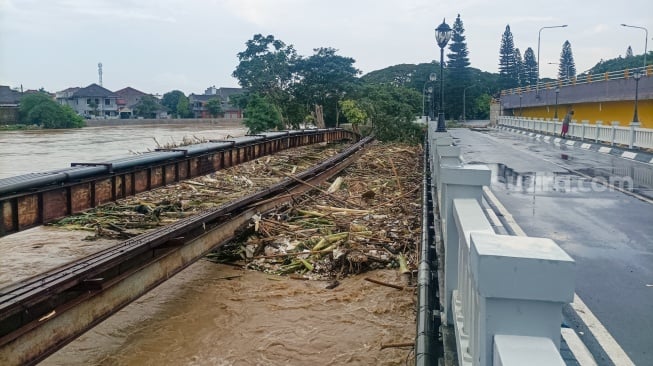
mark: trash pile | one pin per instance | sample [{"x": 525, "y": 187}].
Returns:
[
  {"x": 368, "y": 218},
  {"x": 135, "y": 215}
]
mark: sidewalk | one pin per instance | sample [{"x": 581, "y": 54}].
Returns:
[{"x": 638, "y": 155}]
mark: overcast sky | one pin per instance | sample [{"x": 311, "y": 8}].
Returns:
[{"x": 160, "y": 45}]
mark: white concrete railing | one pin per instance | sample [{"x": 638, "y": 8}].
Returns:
[
  {"x": 503, "y": 294},
  {"x": 633, "y": 136}
]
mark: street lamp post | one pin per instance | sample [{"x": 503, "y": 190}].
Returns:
[
  {"x": 430, "y": 94},
  {"x": 539, "y": 34},
  {"x": 567, "y": 68},
  {"x": 555, "y": 113},
  {"x": 431, "y": 79},
  {"x": 636, "y": 75},
  {"x": 520, "y": 112},
  {"x": 442, "y": 36},
  {"x": 645, "y": 39}
]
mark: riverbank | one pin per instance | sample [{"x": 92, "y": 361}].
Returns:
[{"x": 222, "y": 122}]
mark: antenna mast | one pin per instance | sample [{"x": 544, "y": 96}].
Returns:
[{"x": 99, "y": 71}]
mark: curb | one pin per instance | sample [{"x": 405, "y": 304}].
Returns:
[{"x": 586, "y": 145}]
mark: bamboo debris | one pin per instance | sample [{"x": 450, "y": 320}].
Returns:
[{"x": 384, "y": 283}]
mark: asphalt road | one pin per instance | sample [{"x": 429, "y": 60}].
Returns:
[{"x": 554, "y": 191}]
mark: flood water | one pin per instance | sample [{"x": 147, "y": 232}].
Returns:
[
  {"x": 210, "y": 314},
  {"x": 31, "y": 151}
]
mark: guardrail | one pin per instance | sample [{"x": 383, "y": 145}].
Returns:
[
  {"x": 502, "y": 294},
  {"x": 632, "y": 136},
  {"x": 585, "y": 78}
]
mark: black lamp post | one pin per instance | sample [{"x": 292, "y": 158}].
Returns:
[
  {"x": 555, "y": 113},
  {"x": 431, "y": 79},
  {"x": 429, "y": 113},
  {"x": 520, "y": 112},
  {"x": 442, "y": 36},
  {"x": 636, "y": 75}
]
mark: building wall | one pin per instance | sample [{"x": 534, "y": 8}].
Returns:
[
  {"x": 8, "y": 115},
  {"x": 606, "y": 112}
]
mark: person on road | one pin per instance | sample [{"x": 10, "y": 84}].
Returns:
[{"x": 565, "y": 123}]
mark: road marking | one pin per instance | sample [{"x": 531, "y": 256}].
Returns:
[
  {"x": 547, "y": 138},
  {"x": 570, "y": 142},
  {"x": 629, "y": 155},
  {"x": 605, "y": 149},
  {"x": 577, "y": 347},
  {"x": 600, "y": 333},
  {"x": 585, "y": 146},
  {"x": 556, "y": 140},
  {"x": 651, "y": 162}
]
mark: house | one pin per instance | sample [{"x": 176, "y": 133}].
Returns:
[
  {"x": 9, "y": 103},
  {"x": 92, "y": 101},
  {"x": 198, "y": 102},
  {"x": 129, "y": 97}
]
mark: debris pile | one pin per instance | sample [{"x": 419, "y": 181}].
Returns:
[{"x": 368, "y": 218}]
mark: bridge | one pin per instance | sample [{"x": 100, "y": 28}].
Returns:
[{"x": 522, "y": 260}]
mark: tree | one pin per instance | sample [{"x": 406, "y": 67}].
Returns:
[
  {"x": 39, "y": 109},
  {"x": 183, "y": 108},
  {"x": 266, "y": 68},
  {"x": 529, "y": 68},
  {"x": 94, "y": 106},
  {"x": 629, "y": 52},
  {"x": 507, "y": 66},
  {"x": 354, "y": 114},
  {"x": 519, "y": 67},
  {"x": 171, "y": 100},
  {"x": 324, "y": 79},
  {"x": 214, "y": 106},
  {"x": 261, "y": 114},
  {"x": 147, "y": 107},
  {"x": 457, "y": 69},
  {"x": 566, "y": 67}
]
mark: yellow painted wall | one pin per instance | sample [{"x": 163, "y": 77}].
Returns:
[{"x": 607, "y": 112}]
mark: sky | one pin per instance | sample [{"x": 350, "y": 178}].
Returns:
[{"x": 161, "y": 45}]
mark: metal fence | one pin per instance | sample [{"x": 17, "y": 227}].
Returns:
[{"x": 612, "y": 134}]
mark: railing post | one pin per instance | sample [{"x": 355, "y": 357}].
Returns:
[
  {"x": 631, "y": 140},
  {"x": 456, "y": 182},
  {"x": 583, "y": 129},
  {"x": 469, "y": 217},
  {"x": 614, "y": 132},
  {"x": 521, "y": 284},
  {"x": 599, "y": 125}
]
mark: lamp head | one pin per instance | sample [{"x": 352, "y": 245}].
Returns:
[
  {"x": 443, "y": 34},
  {"x": 432, "y": 76}
]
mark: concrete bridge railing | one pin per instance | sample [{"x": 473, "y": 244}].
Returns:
[
  {"x": 632, "y": 136},
  {"x": 502, "y": 294}
]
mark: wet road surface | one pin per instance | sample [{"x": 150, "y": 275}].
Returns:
[{"x": 608, "y": 232}]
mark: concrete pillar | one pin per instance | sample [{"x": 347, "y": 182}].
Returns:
[
  {"x": 457, "y": 182},
  {"x": 614, "y": 132},
  {"x": 599, "y": 125},
  {"x": 583, "y": 129},
  {"x": 521, "y": 284},
  {"x": 469, "y": 217},
  {"x": 631, "y": 140},
  {"x": 510, "y": 350}
]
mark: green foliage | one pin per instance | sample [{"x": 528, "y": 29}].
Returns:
[
  {"x": 183, "y": 108},
  {"x": 214, "y": 106},
  {"x": 39, "y": 109},
  {"x": 392, "y": 111},
  {"x": 508, "y": 73},
  {"x": 566, "y": 67},
  {"x": 171, "y": 101},
  {"x": 529, "y": 68},
  {"x": 147, "y": 107},
  {"x": 261, "y": 115},
  {"x": 354, "y": 114},
  {"x": 324, "y": 78},
  {"x": 620, "y": 63},
  {"x": 94, "y": 106}
]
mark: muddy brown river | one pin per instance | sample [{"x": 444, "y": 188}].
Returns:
[{"x": 211, "y": 314}]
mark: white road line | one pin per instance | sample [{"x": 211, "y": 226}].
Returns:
[
  {"x": 577, "y": 347},
  {"x": 602, "y": 336},
  {"x": 585, "y": 146},
  {"x": 628, "y": 155},
  {"x": 605, "y": 149}
]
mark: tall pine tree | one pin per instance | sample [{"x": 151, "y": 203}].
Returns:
[
  {"x": 566, "y": 67},
  {"x": 519, "y": 69},
  {"x": 458, "y": 68},
  {"x": 507, "y": 67},
  {"x": 529, "y": 68}
]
